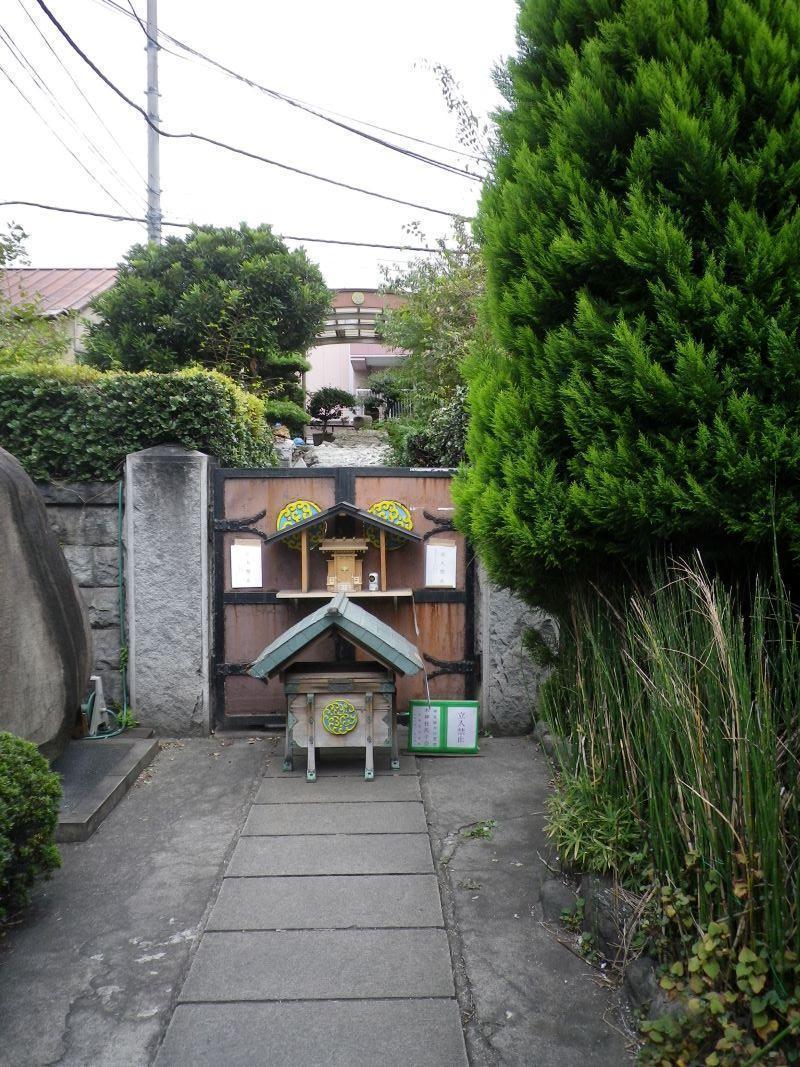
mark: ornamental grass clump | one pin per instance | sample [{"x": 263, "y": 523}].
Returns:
[
  {"x": 29, "y": 798},
  {"x": 682, "y": 706}
]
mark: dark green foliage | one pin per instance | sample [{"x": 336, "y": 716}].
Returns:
[
  {"x": 642, "y": 237},
  {"x": 328, "y": 403},
  {"x": 436, "y": 440},
  {"x": 234, "y": 300},
  {"x": 29, "y": 798},
  {"x": 76, "y": 424}
]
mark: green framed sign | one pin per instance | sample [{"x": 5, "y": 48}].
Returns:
[{"x": 444, "y": 727}]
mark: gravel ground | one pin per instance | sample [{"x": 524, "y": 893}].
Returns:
[{"x": 352, "y": 448}]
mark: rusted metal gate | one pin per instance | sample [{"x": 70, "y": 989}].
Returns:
[{"x": 440, "y": 621}]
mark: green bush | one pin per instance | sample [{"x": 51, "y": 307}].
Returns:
[
  {"x": 642, "y": 240},
  {"x": 29, "y": 797},
  {"x": 436, "y": 440},
  {"x": 328, "y": 403},
  {"x": 77, "y": 424}
]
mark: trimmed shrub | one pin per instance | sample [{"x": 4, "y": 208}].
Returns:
[
  {"x": 78, "y": 424},
  {"x": 328, "y": 403},
  {"x": 642, "y": 239},
  {"x": 29, "y": 796},
  {"x": 435, "y": 441}
]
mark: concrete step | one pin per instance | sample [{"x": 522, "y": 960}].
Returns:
[
  {"x": 392, "y": 817},
  {"x": 319, "y": 965},
  {"x": 327, "y": 902},
  {"x": 343, "y": 788},
  {"x": 332, "y": 854},
  {"x": 420, "y": 1033}
]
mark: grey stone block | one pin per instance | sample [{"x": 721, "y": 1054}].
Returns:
[
  {"x": 81, "y": 563},
  {"x": 320, "y": 965},
  {"x": 327, "y": 901},
  {"x": 84, "y": 525},
  {"x": 105, "y": 566},
  {"x": 105, "y": 644},
  {"x": 334, "y": 854},
  {"x": 94, "y": 493},
  {"x": 418, "y": 1033},
  {"x": 167, "y": 566},
  {"x": 345, "y": 788},
  {"x": 406, "y": 817},
  {"x": 557, "y": 898},
  {"x": 102, "y": 606}
]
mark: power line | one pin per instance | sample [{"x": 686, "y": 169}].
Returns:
[
  {"x": 190, "y": 225},
  {"x": 222, "y": 144},
  {"x": 88, "y": 102},
  {"x": 60, "y": 139},
  {"x": 44, "y": 88},
  {"x": 293, "y": 102},
  {"x": 326, "y": 114}
]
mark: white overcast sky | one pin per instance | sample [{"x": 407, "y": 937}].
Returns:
[{"x": 363, "y": 58}]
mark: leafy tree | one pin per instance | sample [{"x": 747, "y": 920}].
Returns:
[
  {"x": 328, "y": 403},
  {"x": 642, "y": 238},
  {"x": 234, "y": 300},
  {"x": 26, "y": 336},
  {"x": 438, "y": 325}
]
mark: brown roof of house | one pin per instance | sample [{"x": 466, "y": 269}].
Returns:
[{"x": 56, "y": 289}]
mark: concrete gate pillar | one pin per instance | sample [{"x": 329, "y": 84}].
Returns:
[{"x": 167, "y": 589}]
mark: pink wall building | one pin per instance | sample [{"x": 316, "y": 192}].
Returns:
[{"x": 347, "y": 351}]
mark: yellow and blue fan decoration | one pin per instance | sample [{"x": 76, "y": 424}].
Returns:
[
  {"x": 339, "y": 717},
  {"x": 298, "y": 511},
  {"x": 391, "y": 511}
]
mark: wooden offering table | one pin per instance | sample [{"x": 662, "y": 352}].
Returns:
[{"x": 346, "y": 704}]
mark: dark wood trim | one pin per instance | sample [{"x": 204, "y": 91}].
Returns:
[
  {"x": 333, "y": 472},
  {"x": 269, "y": 596}
]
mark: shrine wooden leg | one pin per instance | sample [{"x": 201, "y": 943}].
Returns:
[
  {"x": 369, "y": 769},
  {"x": 311, "y": 771},
  {"x": 395, "y": 752},
  {"x": 288, "y": 756}
]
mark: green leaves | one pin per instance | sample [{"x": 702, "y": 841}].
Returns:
[
  {"x": 642, "y": 240},
  {"x": 235, "y": 300},
  {"x": 77, "y": 424}
]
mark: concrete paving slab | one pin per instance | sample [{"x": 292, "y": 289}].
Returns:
[
  {"x": 89, "y": 977},
  {"x": 327, "y": 902},
  {"x": 319, "y": 965},
  {"x": 333, "y": 854},
  {"x": 331, "y": 764},
  {"x": 342, "y": 788},
  {"x": 392, "y": 817},
  {"x": 530, "y": 999},
  {"x": 95, "y": 776},
  {"x": 354, "y": 1033}
]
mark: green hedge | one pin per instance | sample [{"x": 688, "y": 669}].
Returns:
[
  {"x": 78, "y": 424},
  {"x": 29, "y": 797}
]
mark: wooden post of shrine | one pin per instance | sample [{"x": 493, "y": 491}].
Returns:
[{"x": 384, "y": 584}]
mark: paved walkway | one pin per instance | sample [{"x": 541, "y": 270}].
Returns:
[{"x": 326, "y": 944}]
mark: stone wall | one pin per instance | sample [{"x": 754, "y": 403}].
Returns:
[
  {"x": 85, "y": 520},
  {"x": 510, "y": 679}
]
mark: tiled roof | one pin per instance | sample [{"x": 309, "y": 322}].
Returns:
[{"x": 56, "y": 289}]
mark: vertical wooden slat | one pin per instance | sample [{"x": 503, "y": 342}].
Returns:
[
  {"x": 304, "y": 561},
  {"x": 384, "y": 585}
]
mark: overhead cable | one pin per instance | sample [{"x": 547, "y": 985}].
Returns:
[
  {"x": 222, "y": 144},
  {"x": 60, "y": 139},
  {"x": 191, "y": 225},
  {"x": 86, "y": 99},
  {"x": 45, "y": 89},
  {"x": 323, "y": 113}
]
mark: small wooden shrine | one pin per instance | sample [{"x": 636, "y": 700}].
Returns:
[
  {"x": 340, "y": 705},
  {"x": 343, "y": 533}
]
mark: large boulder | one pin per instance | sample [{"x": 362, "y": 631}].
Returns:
[{"x": 45, "y": 640}]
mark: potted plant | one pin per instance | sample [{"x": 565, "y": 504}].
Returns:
[{"x": 326, "y": 404}]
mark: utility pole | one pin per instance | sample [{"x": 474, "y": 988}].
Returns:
[{"x": 153, "y": 167}]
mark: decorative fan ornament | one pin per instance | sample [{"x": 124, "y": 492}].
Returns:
[
  {"x": 298, "y": 511},
  {"x": 339, "y": 717},
  {"x": 394, "y": 512}
]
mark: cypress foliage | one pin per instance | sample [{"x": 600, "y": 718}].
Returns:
[{"x": 642, "y": 237}]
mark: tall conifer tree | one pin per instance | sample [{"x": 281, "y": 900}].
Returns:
[{"x": 642, "y": 235}]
